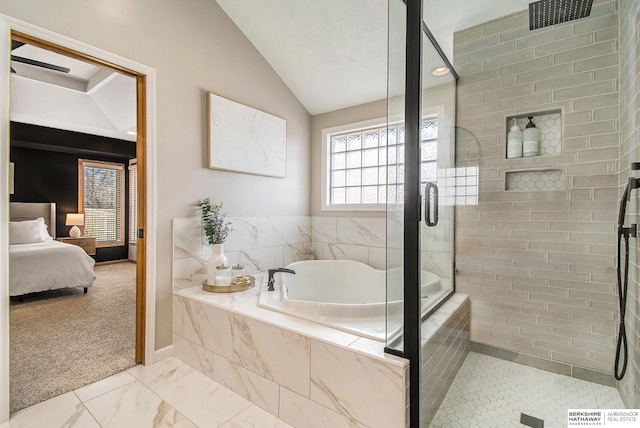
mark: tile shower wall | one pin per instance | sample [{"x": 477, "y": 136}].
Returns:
[
  {"x": 630, "y": 152},
  {"x": 540, "y": 265}
]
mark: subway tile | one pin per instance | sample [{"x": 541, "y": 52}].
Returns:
[
  {"x": 490, "y": 85},
  {"x": 526, "y": 66},
  {"x": 589, "y": 227},
  {"x": 508, "y": 58},
  {"x": 560, "y": 274},
  {"x": 556, "y": 83},
  {"x": 595, "y": 50},
  {"x": 565, "y": 341},
  {"x": 505, "y": 23},
  {"x": 608, "y": 73},
  {"x": 478, "y": 76},
  {"x": 561, "y": 215},
  {"x": 466, "y": 36},
  {"x": 542, "y": 264},
  {"x": 596, "y": 101},
  {"x": 571, "y": 359},
  {"x": 586, "y": 90},
  {"x": 539, "y": 39},
  {"x": 601, "y": 238},
  {"x": 563, "y": 44},
  {"x": 561, "y": 348},
  {"x": 577, "y": 117},
  {"x": 510, "y": 92},
  {"x": 538, "y": 99},
  {"x": 567, "y": 301},
  {"x": 543, "y": 74},
  {"x": 592, "y": 24},
  {"x": 474, "y": 45},
  {"x": 579, "y": 259}
]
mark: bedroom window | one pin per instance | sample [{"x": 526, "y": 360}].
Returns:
[
  {"x": 101, "y": 199},
  {"x": 133, "y": 201}
]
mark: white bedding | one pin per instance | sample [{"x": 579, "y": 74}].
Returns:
[{"x": 48, "y": 265}]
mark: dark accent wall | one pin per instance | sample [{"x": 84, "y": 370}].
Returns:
[{"x": 46, "y": 170}]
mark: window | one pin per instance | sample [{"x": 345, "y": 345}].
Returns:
[
  {"x": 365, "y": 167},
  {"x": 133, "y": 201},
  {"x": 101, "y": 199}
]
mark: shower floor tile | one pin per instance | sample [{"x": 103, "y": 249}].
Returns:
[{"x": 490, "y": 392}]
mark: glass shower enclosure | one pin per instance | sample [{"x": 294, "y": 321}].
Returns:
[{"x": 422, "y": 185}]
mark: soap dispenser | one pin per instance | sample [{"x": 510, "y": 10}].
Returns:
[
  {"x": 531, "y": 143},
  {"x": 514, "y": 141}
]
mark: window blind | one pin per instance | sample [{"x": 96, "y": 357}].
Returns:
[
  {"x": 101, "y": 199},
  {"x": 133, "y": 202}
]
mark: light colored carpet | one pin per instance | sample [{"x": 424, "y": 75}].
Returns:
[{"x": 64, "y": 339}]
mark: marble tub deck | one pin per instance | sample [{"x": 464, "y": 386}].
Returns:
[{"x": 304, "y": 373}]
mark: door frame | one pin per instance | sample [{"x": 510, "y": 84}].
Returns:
[{"x": 146, "y": 145}]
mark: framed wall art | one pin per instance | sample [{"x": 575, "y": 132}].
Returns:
[{"x": 243, "y": 139}]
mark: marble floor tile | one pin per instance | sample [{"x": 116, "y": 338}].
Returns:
[
  {"x": 255, "y": 417},
  {"x": 132, "y": 405},
  {"x": 206, "y": 402},
  {"x": 103, "y": 386},
  {"x": 160, "y": 373},
  {"x": 65, "y": 410}
]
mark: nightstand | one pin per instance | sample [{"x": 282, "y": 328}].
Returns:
[{"x": 87, "y": 244}]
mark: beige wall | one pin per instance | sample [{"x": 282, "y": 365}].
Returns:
[
  {"x": 194, "y": 48},
  {"x": 374, "y": 110},
  {"x": 540, "y": 265},
  {"x": 629, "y": 387}
]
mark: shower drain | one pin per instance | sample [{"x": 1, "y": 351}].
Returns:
[{"x": 531, "y": 421}]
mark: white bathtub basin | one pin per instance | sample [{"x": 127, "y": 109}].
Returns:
[{"x": 344, "y": 294}]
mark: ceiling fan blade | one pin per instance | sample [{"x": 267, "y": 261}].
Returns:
[{"x": 39, "y": 64}]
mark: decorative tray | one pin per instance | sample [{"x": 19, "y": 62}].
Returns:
[{"x": 246, "y": 283}]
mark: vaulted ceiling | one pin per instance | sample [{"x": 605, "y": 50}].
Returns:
[
  {"x": 56, "y": 91},
  {"x": 332, "y": 54}
]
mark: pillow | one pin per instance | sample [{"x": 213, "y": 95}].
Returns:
[{"x": 28, "y": 231}]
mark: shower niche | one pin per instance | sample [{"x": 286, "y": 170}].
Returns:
[
  {"x": 549, "y": 124},
  {"x": 543, "y": 178}
]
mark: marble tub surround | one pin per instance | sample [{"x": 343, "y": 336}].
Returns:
[
  {"x": 292, "y": 368},
  {"x": 362, "y": 239},
  {"x": 261, "y": 243},
  {"x": 258, "y": 243}
]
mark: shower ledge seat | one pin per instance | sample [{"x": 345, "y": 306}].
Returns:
[{"x": 295, "y": 369}]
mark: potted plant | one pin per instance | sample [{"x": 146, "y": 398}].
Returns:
[{"x": 216, "y": 229}]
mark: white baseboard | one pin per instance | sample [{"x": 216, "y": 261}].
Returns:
[{"x": 163, "y": 353}]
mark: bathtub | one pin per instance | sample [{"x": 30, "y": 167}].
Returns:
[{"x": 344, "y": 294}]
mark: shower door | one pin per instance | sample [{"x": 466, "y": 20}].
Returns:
[{"x": 421, "y": 191}]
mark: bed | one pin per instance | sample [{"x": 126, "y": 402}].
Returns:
[{"x": 37, "y": 262}]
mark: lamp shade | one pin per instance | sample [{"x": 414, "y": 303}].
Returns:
[{"x": 75, "y": 220}]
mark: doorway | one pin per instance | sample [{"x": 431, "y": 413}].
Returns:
[{"x": 145, "y": 119}]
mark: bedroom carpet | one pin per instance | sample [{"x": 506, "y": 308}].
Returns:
[{"x": 64, "y": 339}]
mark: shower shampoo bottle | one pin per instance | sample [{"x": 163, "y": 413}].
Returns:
[
  {"x": 531, "y": 143},
  {"x": 514, "y": 141}
]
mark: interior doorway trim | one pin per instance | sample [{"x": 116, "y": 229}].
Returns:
[{"x": 7, "y": 25}]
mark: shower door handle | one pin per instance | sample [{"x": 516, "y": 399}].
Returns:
[{"x": 431, "y": 190}]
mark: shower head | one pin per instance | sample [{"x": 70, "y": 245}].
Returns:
[{"x": 550, "y": 12}]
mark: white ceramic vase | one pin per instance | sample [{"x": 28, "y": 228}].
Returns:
[{"x": 217, "y": 259}]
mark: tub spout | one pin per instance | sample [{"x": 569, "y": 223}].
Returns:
[{"x": 272, "y": 272}]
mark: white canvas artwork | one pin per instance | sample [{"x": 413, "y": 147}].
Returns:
[{"x": 244, "y": 139}]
